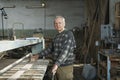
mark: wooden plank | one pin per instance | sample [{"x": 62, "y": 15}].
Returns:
[
  {"x": 14, "y": 64},
  {"x": 118, "y": 78},
  {"x": 20, "y": 72},
  {"x": 26, "y": 71}
]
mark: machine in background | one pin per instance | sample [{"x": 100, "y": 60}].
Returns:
[{"x": 109, "y": 53}]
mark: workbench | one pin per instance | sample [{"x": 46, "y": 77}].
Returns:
[
  {"x": 108, "y": 65},
  {"x": 25, "y": 70},
  {"x": 6, "y": 45}
]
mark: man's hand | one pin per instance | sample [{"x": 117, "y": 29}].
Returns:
[
  {"x": 34, "y": 57},
  {"x": 54, "y": 69}
]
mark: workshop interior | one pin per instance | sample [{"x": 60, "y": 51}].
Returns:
[{"x": 27, "y": 28}]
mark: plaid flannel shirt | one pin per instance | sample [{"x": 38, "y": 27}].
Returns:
[{"x": 62, "y": 48}]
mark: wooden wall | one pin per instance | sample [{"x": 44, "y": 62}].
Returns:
[{"x": 97, "y": 13}]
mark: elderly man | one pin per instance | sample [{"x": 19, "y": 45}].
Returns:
[{"x": 61, "y": 49}]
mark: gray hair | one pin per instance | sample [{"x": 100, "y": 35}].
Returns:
[{"x": 60, "y": 17}]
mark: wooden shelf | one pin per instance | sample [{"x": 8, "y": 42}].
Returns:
[
  {"x": 117, "y": 16},
  {"x": 103, "y": 66},
  {"x": 100, "y": 77},
  {"x": 108, "y": 65}
]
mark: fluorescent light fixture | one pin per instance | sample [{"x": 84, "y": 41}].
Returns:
[{"x": 42, "y": 5}]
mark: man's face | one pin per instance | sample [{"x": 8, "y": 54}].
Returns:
[{"x": 59, "y": 24}]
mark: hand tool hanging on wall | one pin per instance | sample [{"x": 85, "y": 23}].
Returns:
[{"x": 4, "y": 16}]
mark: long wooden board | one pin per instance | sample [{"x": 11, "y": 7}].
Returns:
[{"x": 26, "y": 71}]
